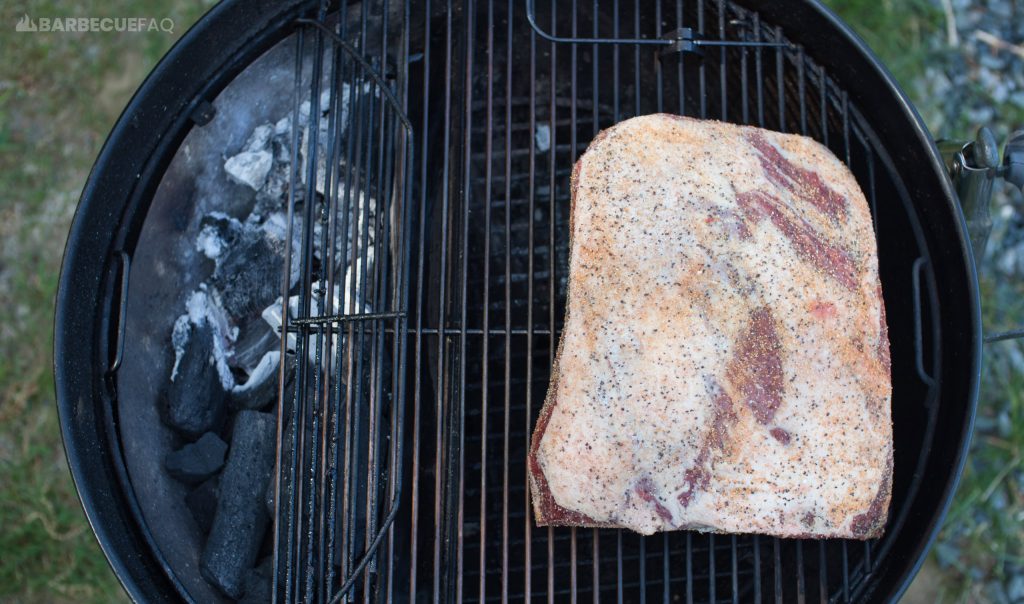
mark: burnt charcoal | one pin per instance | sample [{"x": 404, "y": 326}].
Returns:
[
  {"x": 259, "y": 583},
  {"x": 273, "y": 196},
  {"x": 202, "y": 502},
  {"x": 255, "y": 340},
  {"x": 197, "y": 461},
  {"x": 217, "y": 233},
  {"x": 241, "y": 519},
  {"x": 195, "y": 398},
  {"x": 268, "y": 497},
  {"x": 260, "y": 390},
  {"x": 252, "y": 164},
  {"x": 248, "y": 275}
]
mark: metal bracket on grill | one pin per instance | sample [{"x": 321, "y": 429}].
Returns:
[
  {"x": 679, "y": 40},
  {"x": 974, "y": 166},
  {"x": 312, "y": 324}
]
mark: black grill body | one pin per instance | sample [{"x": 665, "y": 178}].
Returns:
[{"x": 486, "y": 285}]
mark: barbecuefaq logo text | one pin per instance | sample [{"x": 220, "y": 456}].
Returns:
[{"x": 94, "y": 24}]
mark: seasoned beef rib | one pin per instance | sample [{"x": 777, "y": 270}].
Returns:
[{"x": 724, "y": 364}]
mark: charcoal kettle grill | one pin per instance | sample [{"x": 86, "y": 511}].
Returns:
[{"x": 406, "y": 480}]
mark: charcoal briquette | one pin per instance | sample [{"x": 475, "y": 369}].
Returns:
[
  {"x": 268, "y": 497},
  {"x": 202, "y": 502},
  {"x": 259, "y": 583},
  {"x": 195, "y": 462},
  {"x": 241, "y": 518},
  {"x": 248, "y": 276},
  {"x": 195, "y": 398}
]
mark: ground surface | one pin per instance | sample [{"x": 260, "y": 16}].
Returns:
[{"x": 61, "y": 93}]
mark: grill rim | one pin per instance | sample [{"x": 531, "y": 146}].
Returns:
[
  {"x": 108, "y": 219},
  {"x": 81, "y": 329}
]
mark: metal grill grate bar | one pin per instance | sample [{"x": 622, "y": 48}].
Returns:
[
  {"x": 506, "y": 454},
  {"x": 418, "y": 337},
  {"x": 470, "y": 15},
  {"x": 486, "y": 305}
]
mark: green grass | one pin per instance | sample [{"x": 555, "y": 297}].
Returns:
[
  {"x": 60, "y": 93},
  {"x": 911, "y": 38},
  {"x": 899, "y": 31},
  {"x": 981, "y": 539}
]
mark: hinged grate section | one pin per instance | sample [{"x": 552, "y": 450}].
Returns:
[{"x": 344, "y": 303}]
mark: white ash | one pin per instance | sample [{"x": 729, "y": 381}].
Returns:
[
  {"x": 263, "y": 371},
  {"x": 202, "y": 307},
  {"x": 347, "y": 305},
  {"x": 211, "y": 241},
  {"x": 275, "y": 226},
  {"x": 338, "y": 305},
  {"x": 272, "y": 315},
  {"x": 363, "y": 213},
  {"x": 542, "y": 138},
  {"x": 283, "y": 127},
  {"x": 251, "y": 166},
  {"x": 264, "y": 163},
  {"x": 275, "y": 229}
]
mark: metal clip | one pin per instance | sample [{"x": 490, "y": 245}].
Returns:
[
  {"x": 680, "y": 40},
  {"x": 974, "y": 166}
]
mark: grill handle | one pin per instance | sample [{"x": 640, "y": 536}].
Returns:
[
  {"x": 974, "y": 166},
  {"x": 122, "y": 311}
]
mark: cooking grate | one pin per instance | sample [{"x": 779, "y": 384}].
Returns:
[
  {"x": 419, "y": 493},
  {"x": 514, "y": 115},
  {"x": 502, "y": 110}
]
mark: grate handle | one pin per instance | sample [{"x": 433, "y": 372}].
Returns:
[{"x": 679, "y": 40}]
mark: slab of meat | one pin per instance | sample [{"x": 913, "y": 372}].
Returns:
[{"x": 724, "y": 364}]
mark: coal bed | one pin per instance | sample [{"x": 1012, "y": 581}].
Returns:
[{"x": 200, "y": 384}]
